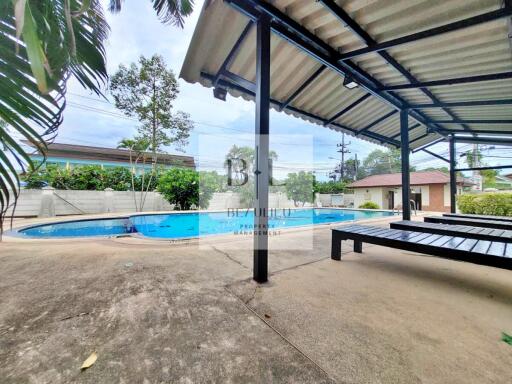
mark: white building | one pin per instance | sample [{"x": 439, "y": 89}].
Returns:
[{"x": 430, "y": 190}]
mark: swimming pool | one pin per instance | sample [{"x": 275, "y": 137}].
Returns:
[{"x": 196, "y": 224}]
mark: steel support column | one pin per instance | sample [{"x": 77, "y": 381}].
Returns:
[
  {"x": 261, "y": 173},
  {"x": 406, "y": 177},
  {"x": 453, "y": 176}
]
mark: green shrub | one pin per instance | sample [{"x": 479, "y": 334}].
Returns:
[
  {"x": 118, "y": 178},
  {"x": 369, "y": 205},
  {"x": 180, "y": 187},
  {"x": 87, "y": 178},
  {"x": 330, "y": 187},
  {"x": 494, "y": 204}
]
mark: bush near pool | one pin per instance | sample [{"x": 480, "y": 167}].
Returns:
[
  {"x": 494, "y": 204},
  {"x": 369, "y": 205}
]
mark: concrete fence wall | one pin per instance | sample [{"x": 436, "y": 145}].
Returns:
[
  {"x": 49, "y": 202},
  {"x": 335, "y": 200}
]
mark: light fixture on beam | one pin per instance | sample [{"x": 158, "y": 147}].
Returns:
[
  {"x": 220, "y": 93},
  {"x": 349, "y": 83}
]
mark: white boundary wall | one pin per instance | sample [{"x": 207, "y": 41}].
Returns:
[{"x": 49, "y": 202}]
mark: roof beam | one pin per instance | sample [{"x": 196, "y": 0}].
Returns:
[
  {"x": 455, "y": 26},
  {"x": 303, "y": 86},
  {"x": 435, "y": 155},
  {"x": 414, "y": 126},
  {"x": 458, "y": 80},
  {"x": 240, "y": 86},
  {"x": 484, "y": 140},
  {"x": 312, "y": 45},
  {"x": 422, "y": 148},
  {"x": 420, "y": 137},
  {"x": 476, "y": 131},
  {"x": 345, "y": 18},
  {"x": 232, "y": 54},
  {"x": 308, "y": 42},
  {"x": 483, "y": 168},
  {"x": 378, "y": 121},
  {"x": 347, "y": 109},
  {"x": 477, "y": 121},
  {"x": 472, "y": 103},
  {"x": 239, "y": 80}
]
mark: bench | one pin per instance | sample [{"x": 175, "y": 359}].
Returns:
[
  {"x": 480, "y": 217},
  {"x": 467, "y": 221},
  {"x": 484, "y": 252},
  {"x": 468, "y": 231}
]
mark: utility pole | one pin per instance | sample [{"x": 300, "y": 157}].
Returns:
[
  {"x": 343, "y": 149},
  {"x": 355, "y": 167},
  {"x": 476, "y": 163}
]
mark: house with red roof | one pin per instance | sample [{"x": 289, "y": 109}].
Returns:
[{"x": 430, "y": 190}]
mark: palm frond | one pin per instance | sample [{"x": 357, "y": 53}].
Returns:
[
  {"x": 169, "y": 11},
  {"x": 42, "y": 43}
]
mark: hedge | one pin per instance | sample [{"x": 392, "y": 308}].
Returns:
[
  {"x": 369, "y": 205},
  {"x": 494, "y": 204}
]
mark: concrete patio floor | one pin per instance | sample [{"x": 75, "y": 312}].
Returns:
[{"x": 157, "y": 312}]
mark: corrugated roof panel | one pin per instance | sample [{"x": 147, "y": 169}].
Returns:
[
  {"x": 364, "y": 114},
  {"x": 482, "y": 49}
]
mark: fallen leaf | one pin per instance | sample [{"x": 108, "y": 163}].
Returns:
[
  {"x": 506, "y": 338},
  {"x": 89, "y": 361}
]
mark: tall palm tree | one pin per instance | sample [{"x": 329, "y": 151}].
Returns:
[{"x": 42, "y": 44}]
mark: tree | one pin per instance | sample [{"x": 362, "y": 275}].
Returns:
[
  {"x": 147, "y": 91},
  {"x": 180, "y": 187},
  {"x": 353, "y": 170},
  {"x": 44, "y": 43},
  {"x": 474, "y": 159},
  {"x": 441, "y": 169},
  {"x": 209, "y": 182},
  {"x": 186, "y": 188},
  {"x": 330, "y": 187},
  {"x": 242, "y": 162},
  {"x": 138, "y": 155},
  {"x": 300, "y": 187},
  {"x": 379, "y": 162}
]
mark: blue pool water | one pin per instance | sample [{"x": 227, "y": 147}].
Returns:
[{"x": 188, "y": 225}]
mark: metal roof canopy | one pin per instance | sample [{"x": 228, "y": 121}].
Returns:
[{"x": 426, "y": 71}]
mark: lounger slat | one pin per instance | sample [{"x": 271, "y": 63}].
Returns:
[
  {"x": 481, "y": 247},
  {"x": 496, "y": 248},
  {"x": 453, "y": 243},
  {"x": 400, "y": 235},
  {"x": 361, "y": 229},
  {"x": 479, "y": 217},
  {"x": 421, "y": 236},
  {"x": 430, "y": 239},
  {"x": 441, "y": 241},
  {"x": 467, "y": 244},
  {"x": 382, "y": 231},
  {"x": 376, "y": 230},
  {"x": 469, "y": 221},
  {"x": 508, "y": 251},
  {"x": 490, "y": 234}
]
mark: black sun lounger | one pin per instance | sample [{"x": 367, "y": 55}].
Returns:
[
  {"x": 492, "y": 253},
  {"x": 507, "y": 219},
  {"x": 468, "y": 231},
  {"x": 467, "y": 221}
]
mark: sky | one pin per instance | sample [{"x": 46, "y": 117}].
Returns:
[{"x": 90, "y": 120}]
